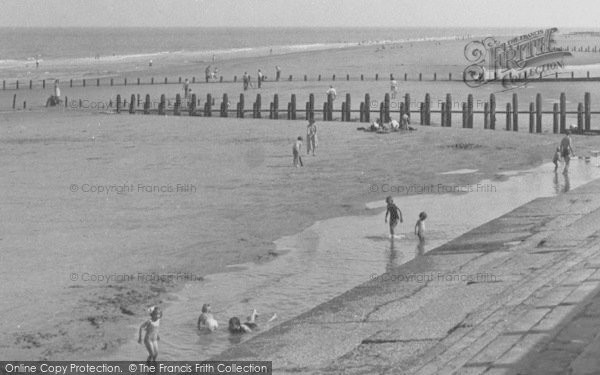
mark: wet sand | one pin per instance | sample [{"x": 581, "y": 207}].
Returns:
[{"x": 247, "y": 196}]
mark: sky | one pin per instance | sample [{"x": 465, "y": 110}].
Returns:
[{"x": 299, "y": 13}]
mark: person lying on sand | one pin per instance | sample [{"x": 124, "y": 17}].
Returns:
[{"x": 206, "y": 319}]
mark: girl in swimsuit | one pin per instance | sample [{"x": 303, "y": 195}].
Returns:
[{"x": 151, "y": 338}]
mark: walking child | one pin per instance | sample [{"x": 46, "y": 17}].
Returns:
[
  {"x": 556, "y": 158},
  {"x": 395, "y": 215},
  {"x": 151, "y": 338},
  {"x": 420, "y": 227},
  {"x": 296, "y": 151}
]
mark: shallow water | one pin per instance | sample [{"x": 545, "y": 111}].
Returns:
[{"x": 335, "y": 255}]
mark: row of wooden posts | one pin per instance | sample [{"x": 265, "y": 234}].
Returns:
[
  {"x": 85, "y": 82},
  {"x": 559, "y": 112}
]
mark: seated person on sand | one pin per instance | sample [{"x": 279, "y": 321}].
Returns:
[
  {"x": 385, "y": 128},
  {"x": 395, "y": 125},
  {"x": 375, "y": 125},
  {"x": 207, "y": 320}
]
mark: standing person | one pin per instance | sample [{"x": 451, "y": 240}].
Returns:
[
  {"x": 566, "y": 150},
  {"x": 331, "y": 91},
  {"x": 394, "y": 88},
  {"x": 556, "y": 158},
  {"x": 277, "y": 73},
  {"x": 246, "y": 80},
  {"x": 296, "y": 152},
  {"x": 207, "y": 73},
  {"x": 420, "y": 226},
  {"x": 151, "y": 338},
  {"x": 395, "y": 215},
  {"x": 405, "y": 122},
  {"x": 186, "y": 88},
  {"x": 311, "y": 137},
  {"x": 260, "y": 78}
]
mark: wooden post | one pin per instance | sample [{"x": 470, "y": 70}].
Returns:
[
  {"x": 333, "y": 78},
  {"x": 492, "y": 111},
  {"x": 367, "y": 108},
  {"x": 587, "y": 108},
  {"x": 464, "y": 115},
  {"x": 435, "y": 76},
  {"x": 427, "y": 109},
  {"x": 343, "y": 111},
  {"x": 580, "y": 117},
  {"x": 563, "y": 112},
  {"x": 307, "y": 111},
  {"x": 508, "y": 117},
  {"x": 362, "y": 112},
  {"x": 293, "y": 107},
  {"x": 421, "y": 78},
  {"x": 362, "y": 77},
  {"x": 225, "y": 106},
  {"x": 241, "y": 105},
  {"x": 329, "y": 107},
  {"x": 70, "y": 83},
  {"x": 289, "y": 111},
  {"x": 470, "y": 111},
  {"x": 258, "y": 106},
  {"x": 449, "y": 110},
  {"x": 162, "y": 105},
  {"x": 125, "y": 82},
  {"x": 386, "y": 108},
  {"x": 421, "y": 113},
  {"x": 538, "y": 113},
  {"x": 347, "y": 77},
  {"x": 165, "y": 80},
  {"x": 31, "y": 84},
  {"x": 14, "y": 101},
  {"x": 290, "y": 78},
  {"x": 407, "y": 104},
  {"x": 98, "y": 82},
  {"x": 486, "y": 115},
  {"x": 147, "y": 104},
  {"x": 325, "y": 110},
  {"x": 276, "y": 106},
  {"x": 118, "y": 103},
  {"x": 515, "y": 108},
  {"x": 555, "y": 118},
  {"x": 348, "y": 107},
  {"x": 401, "y": 112},
  {"x": 138, "y": 81},
  {"x": 376, "y": 76},
  {"x": 3, "y": 84},
  {"x": 84, "y": 82},
  {"x": 319, "y": 77},
  {"x": 192, "y": 107},
  {"x": 208, "y": 106},
  {"x": 531, "y": 117},
  {"x": 305, "y": 78},
  {"x": 382, "y": 112},
  {"x": 449, "y": 76},
  {"x": 405, "y": 76},
  {"x": 112, "y": 81},
  {"x": 139, "y": 100},
  {"x": 132, "y": 104},
  {"x": 443, "y": 114},
  {"x": 177, "y": 107}
]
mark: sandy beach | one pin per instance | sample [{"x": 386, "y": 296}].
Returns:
[{"x": 107, "y": 214}]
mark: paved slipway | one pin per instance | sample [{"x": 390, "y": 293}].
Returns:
[{"x": 518, "y": 295}]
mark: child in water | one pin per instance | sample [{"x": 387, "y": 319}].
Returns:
[
  {"x": 395, "y": 215},
  {"x": 236, "y": 327},
  {"x": 556, "y": 158},
  {"x": 420, "y": 226},
  {"x": 151, "y": 338},
  {"x": 206, "y": 319}
]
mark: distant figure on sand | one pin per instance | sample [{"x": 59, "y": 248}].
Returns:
[
  {"x": 207, "y": 73},
  {"x": 260, "y": 78},
  {"x": 311, "y": 137},
  {"x": 405, "y": 122},
  {"x": 277, "y": 73},
  {"x": 296, "y": 151},
  {"x": 245, "y": 79},
  {"x": 206, "y": 319},
  {"x": 375, "y": 126},
  {"x": 394, "y": 88},
  {"x": 151, "y": 338},
  {"x": 395, "y": 125},
  {"x": 331, "y": 91},
  {"x": 395, "y": 214},
  {"x": 186, "y": 87},
  {"x": 556, "y": 158},
  {"x": 420, "y": 226},
  {"x": 56, "y": 90},
  {"x": 566, "y": 150}
]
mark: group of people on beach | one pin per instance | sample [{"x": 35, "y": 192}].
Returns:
[
  {"x": 378, "y": 126},
  {"x": 311, "y": 143},
  {"x": 206, "y": 322},
  {"x": 564, "y": 151}
]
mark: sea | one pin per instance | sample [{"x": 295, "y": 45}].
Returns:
[{"x": 75, "y": 43}]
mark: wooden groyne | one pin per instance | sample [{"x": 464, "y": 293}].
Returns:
[{"x": 386, "y": 110}]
